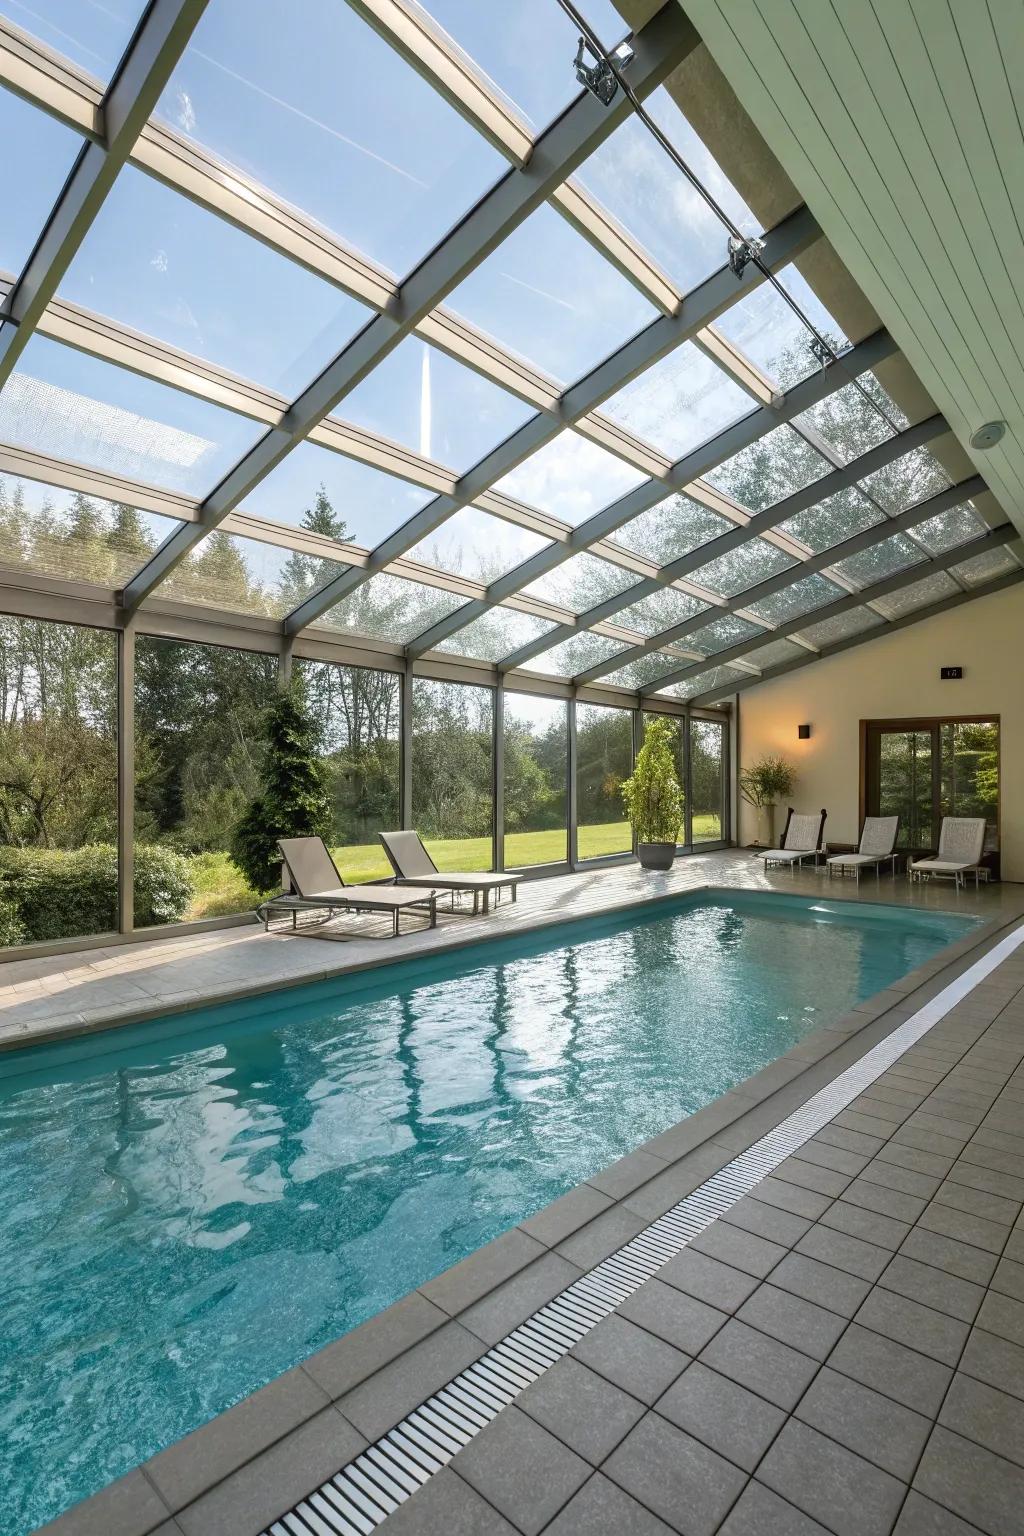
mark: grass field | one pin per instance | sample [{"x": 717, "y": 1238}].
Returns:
[{"x": 220, "y": 889}]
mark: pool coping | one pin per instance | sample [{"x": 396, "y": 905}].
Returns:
[{"x": 243, "y": 1469}]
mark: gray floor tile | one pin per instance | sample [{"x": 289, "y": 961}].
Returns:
[
  {"x": 934, "y": 1287},
  {"x": 766, "y": 1219},
  {"x": 979, "y": 1202},
  {"x": 708, "y": 1279},
  {"x": 741, "y": 1250},
  {"x": 510, "y": 1304},
  {"x": 1009, "y": 1278},
  {"x": 764, "y": 1365},
  {"x": 340, "y": 1366},
  {"x": 675, "y": 1476},
  {"x": 885, "y": 1200},
  {"x": 583, "y": 1409},
  {"x": 600, "y": 1237},
  {"x": 882, "y": 1431},
  {"x": 447, "y": 1504},
  {"x": 631, "y": 1358},
  {"x": 521, "y": 1469},
  {"x": 983, "y": 1413},
  {"x": 811, "y": 1175},
  {"x": 127, "y": 1507},
  {"x": 981, "y": 1154},
  {"x": 821, "y": 1283},
  {"x": 553, "y": 1223},
  {"x": 883, "y": 1231},
  {"x": 868, "y": 1125},
  {"x": 836, "y": 1158},
  {"x": 981, "y": 1487},
  {"x": 947, "y": 1253},
  {"x": 793, "y": 1198},
  {"x": 379, "y": 1402},
  {"x": 1003, "y": 1316},
  {"x": 989, "y": 1179},
  {"x": 843, "y": 1251},
  {"x": 922, "y": 1517},
  {"x": 627, "y": 1174},
  {"x": 919, "y": 1327},
  {"x": 928, "y": 1141},
  {"x": 901, "y": 1156},
  {"x": 736, "y": 1423},
  {"x": 760, "y": 1512},
  {"x": 482, "y": 1271},
  {"x": 792, "y": 1320},
  {"x": 892, "y": 1369},
  {"x": 672, "y": 1315},
  {"x": 828, "y": 1482},
  {"x": 894, "y": 1176},
  {"x": 601, "y": 1508},
  {"x": 882, "y": 1108},
  {"x": 853, "y": 1141},
  {"x": 994, "y": 1360}
]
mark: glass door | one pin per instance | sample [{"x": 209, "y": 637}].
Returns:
[
  {"x": 905, "y": 768},
  {"x": 922, "y": 770}
]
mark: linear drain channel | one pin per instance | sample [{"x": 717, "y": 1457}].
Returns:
[{"x": 365, "y": 1492}]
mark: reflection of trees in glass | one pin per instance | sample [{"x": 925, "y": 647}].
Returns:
[
  {"x": 969, "y": 755},
  {"x": 84, "y": 539},
  {"x": 452, "y": 754},
  {"x": 536, "y": 745},
  {"x": 905, "y": 784},
  {"x": 604, "y": 759},
  {"x": 357, "y": 712}
]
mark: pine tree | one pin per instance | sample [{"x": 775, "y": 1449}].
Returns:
[
  {"x": 295, "y": 800},
  {"x": 303, "y": 574}
]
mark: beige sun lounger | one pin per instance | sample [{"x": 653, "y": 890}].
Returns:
[
  {"x": 317, "y": 885},
  {"x": 961, "y": 844},
  {"x": 801, "y": 839},
  {"x": 413, "y": 865},
  {"x": 877, "y": 847}
]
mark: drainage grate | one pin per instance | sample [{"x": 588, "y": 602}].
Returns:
[{"x": 365, "y": 1492}]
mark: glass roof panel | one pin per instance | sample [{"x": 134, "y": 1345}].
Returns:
[
  {"x": 246, "y": 576},
  {"x": 776, "y": 653},
  {"x": 675, "y": 527},
  {"x": 771, "y": 334},
  {"x": 71, "y": 406},
  {"x": 841, "y": 626},
  {"x": 703, "y": 682},
  {"x": 643, "y": 670},
  {"x": 93, "y": 36},
  {"x": 849, "y": 423},
  {"x": 679, "y": 402},
  {"x": 81, "y": 538},
  {"x": 423, "y": 399},
  {"x": 723, "y": 632},
  {"x": 390, "y": 182},
  {"x": 33, "y": 174},
  {"x": 906, "y": 481},
  {"x": 660, "y": 610},
  {"x": 920, "y": 594},
  {"x": 833, "y": 520},
  {"x": 575, "y": 655},
  {"x": 570, "y": 477},
  {"x": 315, "y": 488},
  {"x": 473, "y": 543},
  {"x": 948, "y": 529},
  {"x": 742, "y": 567},
  {"x": 390, "y": 608},
  {"x": 581, "y": 582},
  {"x": 811, "y": 592},
  {"x": 157, "y": 262},
  {"x": 496, "y": 634},
  {"x": 986, "y": 567},
  {"x": 640, "y": 185},
  {"x": 881, "y": 560},
  {"x": 775, "y": 466},
  {"x": 550, "y": 298}
]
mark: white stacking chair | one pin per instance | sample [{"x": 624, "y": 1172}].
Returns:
[
  {"x": 801, "y": 839},
  {"x": 961, "y": 844},
  {"x": 877, "y": 847}
]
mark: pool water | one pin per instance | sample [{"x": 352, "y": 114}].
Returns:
[{"x": 190, "y": 1207}]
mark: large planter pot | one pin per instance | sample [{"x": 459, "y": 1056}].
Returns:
[
  {"x": 656, "y": 855},
  {"x": 766, "y": 826}
]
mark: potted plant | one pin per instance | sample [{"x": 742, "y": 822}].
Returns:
[
  {"x": 654, "y": 798},
  {"x": 767, "y": 780}
]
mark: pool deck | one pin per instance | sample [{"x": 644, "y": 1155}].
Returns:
[{"x": 841, "y": 1350}]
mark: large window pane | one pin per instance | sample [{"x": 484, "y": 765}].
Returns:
[
  {"x": 93, "y": 35},
  {"x": 536, "y": 746},
  {"x": 58, "y": 781},
  {"x": 82, "y": 538},
  {"x": 604, "y": 758},
  {"x": 357, "y": 710},
  {"x": 707, "y": 780},
  {"x": 969, "y": 768},
  {"x": 677, "y": 729},
  {"x": 570, "y": 477},
  {"x": 198, "y": 713},
  {"x": 34, "y": 172},
  {"x": 452, "y": 772}
]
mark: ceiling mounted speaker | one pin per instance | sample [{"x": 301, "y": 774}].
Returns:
[{"x": 988, "y": 435}]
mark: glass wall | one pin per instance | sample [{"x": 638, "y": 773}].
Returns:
[
  {"x": 604, "y": 758},
  {"x": 58, "y": 781},
  {"x": 708, "y": 779},
  {"x": 198, "y": 714},
  {"x": 357, "y": 711},
  {"x": 677, "y": 725},
  {"x": 453, "y": 772},
  {"x": 536, "y": 749}
]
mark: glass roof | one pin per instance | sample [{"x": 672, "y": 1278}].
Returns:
[
  {"x": 742, "y": 567},
  {"x": 660, "y": 610},
  {"x": 342, "y": 498},
  {"x": 811, "y": 592},
  {"x": 581, "y": 582},
  {"x": 496, "y": 634},
  {"x": 644, "y": 670},
  {"x": 906, "y": 481},
  {"x": 849, "y": 423},
  {"x": 77, "y": 537},
  {"x": 770, "y": 469},
  {"x": 881, "y": 560},
  {"x": 575, "y": 654},
  {"x": 769, "y": 332},
  {"x": 986, "y": 567},
  {"x": 829, "y": 522},
  {"x": 703, "y": 682},
  {"x": 919, "y": 594},
  {"x": 675, "y": 527},
  {"x": 246, "y": 576},
  {"x": 390, "y": 608},
  {"x": 33, "y": 176},
  {"x": 473, "y": 543},
  {"x": 841, "y": 626},
  {"x": 570, "y": 477},
  {"x": 680, "y": 402},
  {"x": 93, "y": 35},
  {"x": 721, "y": 633}
]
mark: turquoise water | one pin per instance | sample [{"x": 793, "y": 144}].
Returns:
[{"x": 192, "y": 1206}]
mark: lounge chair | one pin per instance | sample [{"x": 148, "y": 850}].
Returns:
[
  {"x": 961, "y": 843},
  {"x": 413, "y": 865},
  {"x": 877, "y": 847},
  {"x": 801, "y": 839},
  {"x": 316, "y": 884}
]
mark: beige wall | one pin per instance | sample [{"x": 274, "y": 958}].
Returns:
[{"x": 897, "y": 675}]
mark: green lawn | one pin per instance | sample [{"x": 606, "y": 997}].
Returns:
[{"x": 220, "y": 889}]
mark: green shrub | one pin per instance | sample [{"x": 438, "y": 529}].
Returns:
[
  {"x": 54, "y": 893},
  {"x": 652, "y": 793},
  {"x": 294, "y": 801}
]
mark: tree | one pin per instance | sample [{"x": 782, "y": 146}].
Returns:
[
  {"x": 294, "y": 801},
  {"x": 303, "y": 574},
  {"x": 652, "y": 793}
]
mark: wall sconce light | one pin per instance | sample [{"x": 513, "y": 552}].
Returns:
[{"x": 803, "y": 732}]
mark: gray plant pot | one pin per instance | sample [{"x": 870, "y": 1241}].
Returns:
[{"x": 656, "y": 855}]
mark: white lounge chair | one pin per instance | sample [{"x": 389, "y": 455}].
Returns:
[
  {"x": 961, "y": 844},
  {"x": 801, "y": 839},
  {"x": 877, "y": 847},
  {"x": 413, "y": 865},
  {"x": 317, "y": 885}
]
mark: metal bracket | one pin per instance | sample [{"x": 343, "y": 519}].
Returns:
[
  {"x": 599, "y": 78},
  {"x": 742, "y": 253}
]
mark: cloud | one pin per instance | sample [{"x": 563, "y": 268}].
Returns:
[
  {"x": 159, "y": 261},
  {"x": 186, "y": 112}
]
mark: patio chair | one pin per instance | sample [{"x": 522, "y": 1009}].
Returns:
[
  {"x": 877, "y": 847},
  {"x": 801, "y": 839},
  {"x": 961, "y": 843},
  {"x": 316, "y": 884},
  {"x": 413, "y": 865}
]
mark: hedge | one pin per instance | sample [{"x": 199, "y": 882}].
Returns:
[{"x": 53, "y": 893}]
